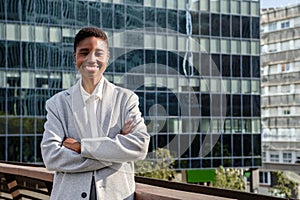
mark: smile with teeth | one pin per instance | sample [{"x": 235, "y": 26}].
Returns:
[{"x": 91, "y": 68}]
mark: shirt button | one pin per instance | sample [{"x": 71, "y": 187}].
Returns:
[{"x": 83, "y": 195}]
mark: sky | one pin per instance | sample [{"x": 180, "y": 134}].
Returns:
[{"x": 277, "y": 3}]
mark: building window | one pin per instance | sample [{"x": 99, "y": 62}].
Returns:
[
  {"x": 287, "y": 157},
  {"x": 297, "y": 22},
  {"x": 285, "y": 24},
  {"x": 264, "y": 178},
  {"x": 286, "y": 112},
  {"x": 272, "y": 48},
  {"x": 273, "y": 26},
  {"x": 285, "y": 67},
  {"x": 264, "y": 157},
  {"x": 298, "y": 159},
  {"x": 274, "y": 157}
]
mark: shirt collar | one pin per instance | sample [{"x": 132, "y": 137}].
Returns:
[{"x": 97, "y": 91}]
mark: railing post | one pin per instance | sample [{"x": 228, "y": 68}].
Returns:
[
  {"x": 49, "y": 186},
  {"x": 13, "y": 186}
]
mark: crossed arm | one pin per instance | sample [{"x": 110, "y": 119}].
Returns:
[{"x": 74, "y": 145}]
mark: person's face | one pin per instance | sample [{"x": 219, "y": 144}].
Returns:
[{"x": 91, "y": 58}]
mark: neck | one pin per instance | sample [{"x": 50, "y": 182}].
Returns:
[{"x": 89, "y": 85}]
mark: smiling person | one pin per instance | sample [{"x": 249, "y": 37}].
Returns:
[{"x": 94, "y": 130}]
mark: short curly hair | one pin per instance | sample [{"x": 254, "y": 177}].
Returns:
[{"x": 89, "y": 32}]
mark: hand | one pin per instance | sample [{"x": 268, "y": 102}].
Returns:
[
  {"x": 72, "y": 144},
  {"x": 128, "y": 127}
]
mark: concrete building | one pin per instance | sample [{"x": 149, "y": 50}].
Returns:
[
  {"x": 194, "y": 65},
  {"x": 280, "y": 73}
]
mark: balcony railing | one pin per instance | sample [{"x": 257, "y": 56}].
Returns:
[{"x": 35, "y": 182}]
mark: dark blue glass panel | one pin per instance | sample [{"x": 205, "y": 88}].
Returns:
[
  {"x": 14, "y": 149},
  {"x": 256, "y": 66},
  {"x": 134, "y": 58},
  {"x": 134, "y": 17},
  {"x": 119, "y": 15},
  {"x": 13, "y": 61},
  {"x": 172, "y": 20},
  {"x": 215, "y": 25},
  {"x": 204, "y": 23},
  {"x": 55, "y": 58},
  {"x": 246, "y": 27},
  {"x": 236, "y": 26},
  {"x": 81, "y": 13},
  {"x": 246, "y": 66},
  {"x": 247, "y": 145},
  {"x": 182, "y": 22},
  {"x": 13, "y": 7},
  {"x": 3, "y": 149},
  {"x": 256, "y": 106},
  {"x": 237, "y": 145},
  {"x": 55, "y": 12},
  {"x": 106, "y": 15},
  {"x": 95, "y": 14},
  {"x": 236, "y": 66},
  {"x": 68, "y": 58},
  {"x": 28, "y": 55},
  {"x": 227, "y": 145},
  {"x": 2, "y": 9},
  {"x": 28, "y": 103},
  {"x": 41, "y": 11},
  {"x": 28, "y": 145},
  {"x": 161, "y": 18},
  {"x": 255, "y": 27},
  {"x": 195, "y": 23},
  {"x": 228, "y": 107},
  {"x": 42, "y": 55},
  {"x": 256, "y": 145},
  {"x": 68, "y": 13},
  {"x": 247, "y": 105},
  {"x": 149, "y": 17},
  {"x": 38, "y": 149},
  {"x": 205, "y": 104},
  {"x": 2, "y": 54},
  {"x": 236, "y": 105},
  {"x": 226, "y": 25},
  {"x": 28, "y": 11},
  {"x": 226, "y": 71},
  {"x": 2, "y": 102}
]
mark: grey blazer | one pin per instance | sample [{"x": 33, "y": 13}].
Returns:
[{"x": 108, "y": 157}]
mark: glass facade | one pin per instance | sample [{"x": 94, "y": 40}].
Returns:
[{"x": 194, "y": 65}]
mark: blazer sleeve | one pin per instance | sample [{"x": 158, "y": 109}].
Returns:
[
  {"x": 58, "y": 158},
  {"x": 122, "y": 148}
]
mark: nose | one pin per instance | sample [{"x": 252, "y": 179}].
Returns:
[{"x": 91, "y": 58}]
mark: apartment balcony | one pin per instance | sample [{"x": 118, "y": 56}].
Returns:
[{"x": 35, "y": 182}]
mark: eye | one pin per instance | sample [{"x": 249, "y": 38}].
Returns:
[
  {"x": 84, "y": 53},
  {"x": 99, "y": 53}
]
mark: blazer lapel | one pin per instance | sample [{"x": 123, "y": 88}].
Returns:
[{"x": 106, "y": 107}]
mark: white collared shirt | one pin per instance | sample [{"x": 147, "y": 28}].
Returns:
[{"x": 91, "y": 101}]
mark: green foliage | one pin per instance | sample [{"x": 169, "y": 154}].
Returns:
[
  {"x": 229, "y": 178},
  {"x": 284, "y": 186},
  {"x": 158, "y": 165}
]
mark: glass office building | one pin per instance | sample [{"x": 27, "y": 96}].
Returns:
[{"x": 194, "y": 65}]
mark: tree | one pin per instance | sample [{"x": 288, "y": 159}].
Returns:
[
  {"x": 229, "y": 178},
  {"x": 283, "y": 186},
  {"x": 160, "y": 166}
]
